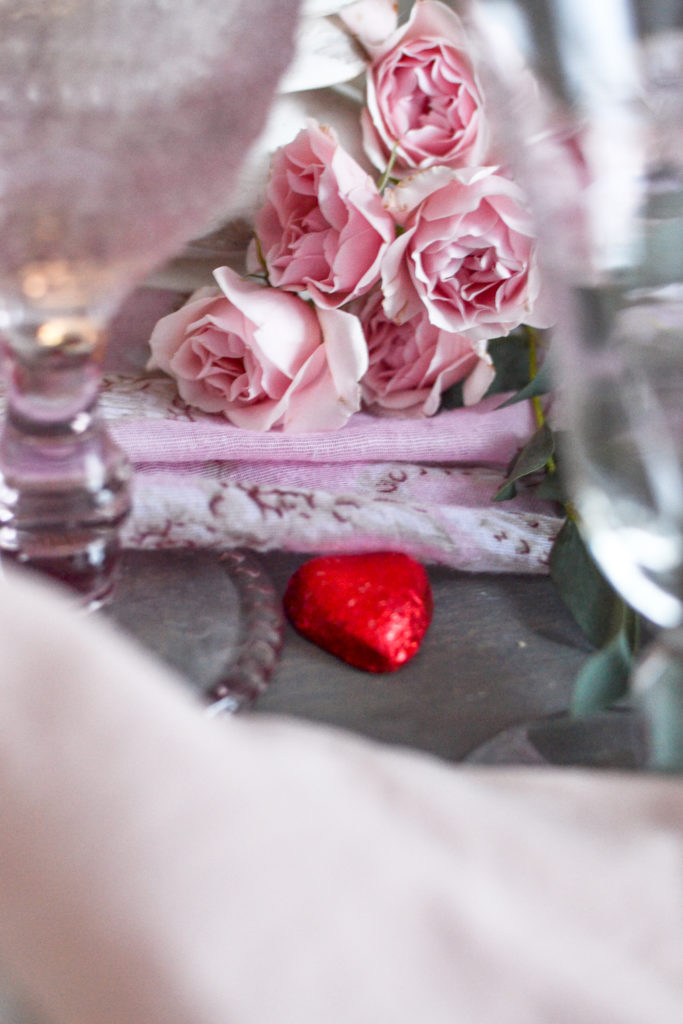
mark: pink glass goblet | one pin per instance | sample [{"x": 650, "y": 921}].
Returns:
[{"x": 122, "y": 126}]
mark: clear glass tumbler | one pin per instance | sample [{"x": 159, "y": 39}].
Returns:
[{"x": 588, "y": 99}]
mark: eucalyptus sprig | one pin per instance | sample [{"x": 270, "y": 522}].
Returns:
[{"x": 609, "y": 624}]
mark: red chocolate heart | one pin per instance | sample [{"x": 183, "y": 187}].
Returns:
[{"x": 371, "y": 611}]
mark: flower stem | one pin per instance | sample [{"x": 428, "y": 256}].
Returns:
[
  {"x": 261, "y": 258},
  {"x": 382, "y": 183},
  {"x": 536, "y": 403}
]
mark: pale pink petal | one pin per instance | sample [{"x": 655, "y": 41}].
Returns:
[
  {"x": 467, "y": 255},
  {"x": 262, "y": 415},
  {"x": 403, "y": 198},
  {"x": 431, "y": 19},
  {"x": 401, "y": 301},
  {"x": 478, "y": 382},
  {"x": 320, "y": 204},
  {"x": 298, "y": 333},
  {"x": 424, "y": 102},
  {"x": 371, "y": 21},
  {"x": 347, "y": 352},
  {"x": 169, "y": 332},
  {"x": 311, "y": 401}
]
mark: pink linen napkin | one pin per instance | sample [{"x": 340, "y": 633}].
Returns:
[
  {"x": 421, "y": 486},
  {"x": 162, "y": 867}
]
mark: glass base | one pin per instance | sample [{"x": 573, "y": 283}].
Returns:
[
  {"x": 64, "y": 483},
  {"x": 215, "y": 619},
  {"x": 63, "y": 500},
  {"x": 614, "y": 739},
  {"x": 85, "y": 561}
]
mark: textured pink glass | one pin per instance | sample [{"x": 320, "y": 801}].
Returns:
[{"x": 122, "y": 126}]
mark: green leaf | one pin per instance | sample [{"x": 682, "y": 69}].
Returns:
[
  {"x": 452, "y": 397},
  {"x": 510, "y": 357},
  {"x": 604, "y": 678},
  {"x": 535, "y": 453},
  {"x": 607, "y": 621},
  {"x": 551, "y": 488},
  {"x": 506, "y": 493},
  {"x": 662, "y": 702},
  {"x": 594, "y": 604},
  {"x": 533, "y": 457},
  {"x": 511, "y": 362},
  {"x": 541, "y": 384}
]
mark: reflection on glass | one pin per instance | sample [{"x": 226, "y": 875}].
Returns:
[
  {"x": 122, "y": 123},
  {"x": 594, "y": 131}
]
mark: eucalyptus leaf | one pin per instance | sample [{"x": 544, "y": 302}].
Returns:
[
  {"x": 541, "y": 384},
  {"x": 593, "y": 602},
  {"x": 551, "y": 488},
  {"x": 453, "y": 397},
  {"x": 604, "y": 678},
  {"x": 532, "y": 458},
  {"x": 535, "y": 454},
  {"x": 506, "y": 493},
  {"x": 662, "y": 701},
  {"x": 510, "y": 358}
]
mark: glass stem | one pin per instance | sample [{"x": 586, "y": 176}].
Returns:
[{"x": 64, "y": 484}]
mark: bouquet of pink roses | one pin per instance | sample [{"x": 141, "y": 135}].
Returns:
[
  {"x": 381, "y": 293},
  {"x": 391, "y": 265}
]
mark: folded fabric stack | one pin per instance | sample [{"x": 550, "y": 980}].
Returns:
[{"x": 423, "y": 486}]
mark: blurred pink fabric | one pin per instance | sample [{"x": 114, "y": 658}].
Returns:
[{"x": 162, "y": 867}]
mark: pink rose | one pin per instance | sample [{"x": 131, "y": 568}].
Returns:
[
  {"x": 467, "y": 255},
  {"x": 412, "y": 364},
  {"x": 323, "y": 228},
  {"x": 262, "y": 358},
  {"x": 423, "y": 97}
]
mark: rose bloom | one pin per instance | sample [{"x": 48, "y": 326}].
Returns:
[
  {"x": 423, "y": 97},
  {"x": 323, "y": 228},
  {"x": 262, "y": 358},
  {"x": 412, "y": 364},
  {"x": 467, "y": 255}
]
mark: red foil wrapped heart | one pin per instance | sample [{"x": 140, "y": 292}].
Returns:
[{"x": 371, "y": 611}]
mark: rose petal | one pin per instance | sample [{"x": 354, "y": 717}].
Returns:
[
  {"x": 263, "y": 358},
  {"x": 424, "y": 103},
  {"x": 467, "y": 255},
  {"x": 323, "y": 228},
  {"x": 298, "y": 332}
]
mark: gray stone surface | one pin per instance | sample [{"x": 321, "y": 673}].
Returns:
[{"x": 500, "y": 650}]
